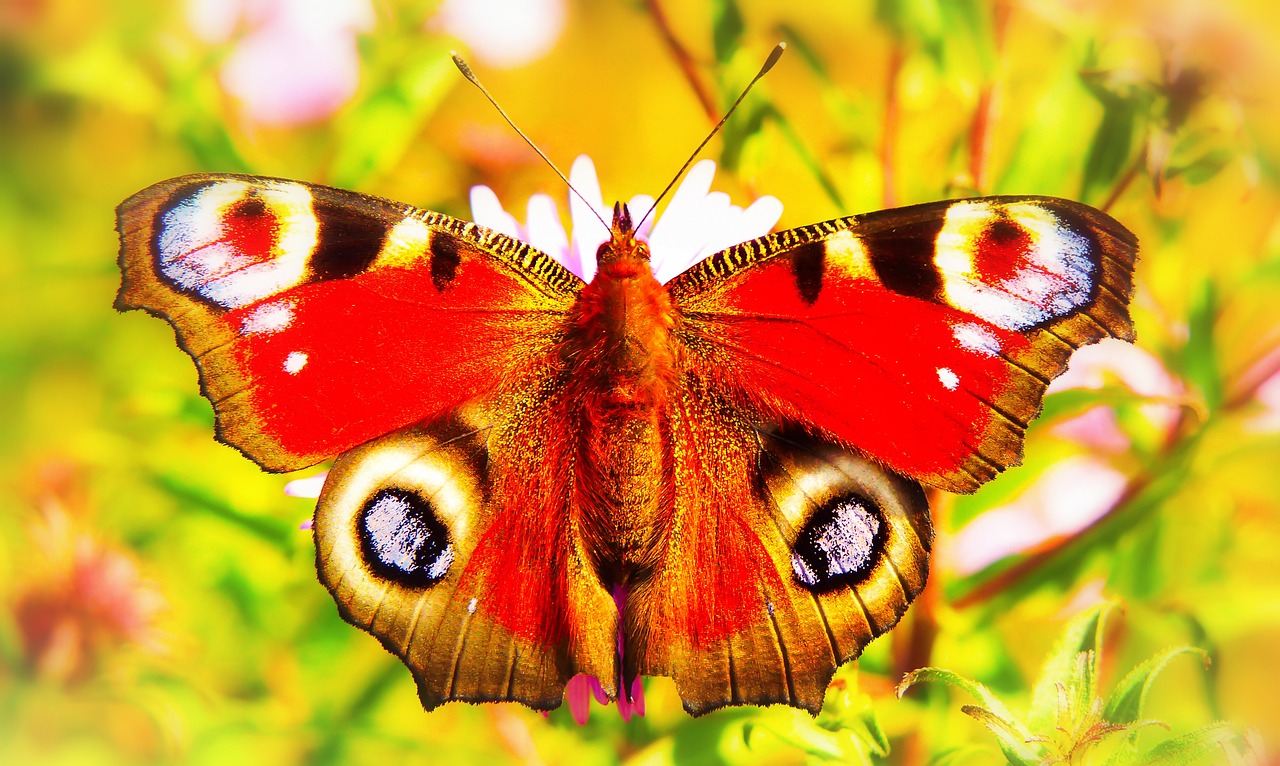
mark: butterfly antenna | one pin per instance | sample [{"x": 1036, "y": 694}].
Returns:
[
  {"x": 467, "y": 73},
  {"x": 774, "y": 55}
]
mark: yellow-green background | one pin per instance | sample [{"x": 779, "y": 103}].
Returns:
[{"x": 1166, "y": 112}]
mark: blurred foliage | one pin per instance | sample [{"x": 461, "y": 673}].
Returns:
[{"x": 158, "y": 603}]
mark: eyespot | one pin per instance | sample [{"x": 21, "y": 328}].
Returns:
[
  {"x": 403, "y": 539},
  {"x": 839, "y": 544}
]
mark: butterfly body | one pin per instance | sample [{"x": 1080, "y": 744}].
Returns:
[{"x": 716, "y": 479}]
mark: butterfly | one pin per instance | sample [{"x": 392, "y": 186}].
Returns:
[{"x": 717, "y": 479}]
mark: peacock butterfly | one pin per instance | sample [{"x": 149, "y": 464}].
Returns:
[{"x": 716, "y": 478}]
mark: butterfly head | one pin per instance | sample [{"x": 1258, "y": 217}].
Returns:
[{"x": 622, "y": 252}]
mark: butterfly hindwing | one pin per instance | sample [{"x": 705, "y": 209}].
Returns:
[
  {"x": 923, "y": 336},
  {"x": 787, "y": 565},
  {"x": 320, "y": 319},
  {"x": 447, "y": 543}
]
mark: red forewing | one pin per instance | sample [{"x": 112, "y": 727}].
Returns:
[
  {"x": 321, "y": 318},
  {"x": 923, "y": 337}
]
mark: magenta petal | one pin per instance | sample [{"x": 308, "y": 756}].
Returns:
[
  {"x": 628, "y": 708},
  {"x": 637, "y": 696},
  {"x": 578, "y": 694},
  {"x": 598, "y": 691}
]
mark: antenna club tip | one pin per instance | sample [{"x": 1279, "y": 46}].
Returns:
[
  {"x": 461, "y": 64},
  {"x": 774, "y": 55}
]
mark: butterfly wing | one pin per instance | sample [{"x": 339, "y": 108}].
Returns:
[
  {"x": 449, "y": 544},
  {"x": 320, "y": 319},
  {"x": 827, "y": 369},
  {"x": 323, "y": 319},
  {"x": 923, "y": 336},
  {"x": 781, "y": 566}
]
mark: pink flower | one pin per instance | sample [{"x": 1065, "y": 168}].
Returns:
[
  {"x": 1268, "y": 395},
  {"x": 1116, "y": 362},
  {"x": 298, "y": 61},
  {"x": 84, "y": 600},
  {"x": 503, "y": 33},
  {"x": 1065, "y": 499}
]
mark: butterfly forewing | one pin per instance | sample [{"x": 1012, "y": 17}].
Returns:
[
  {"x": 923, "y": 336},
  {"x": 320, "y": 318}
]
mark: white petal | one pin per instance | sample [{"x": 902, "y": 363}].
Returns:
[
  {"x": 639, "y": 205},
  {"x": 685, "y": 244},
  {"x": 724, "y": 234},
  {"x": 588, "y": 232},
  {"x": 683, "y": 206},
  {"x": 759, "y": 218},
  {"x": 309, "y": 487},
  {"x": 546, "y": 232},
  {"x": 487, "y": 211},
  {"x": 732, "y": 226}
]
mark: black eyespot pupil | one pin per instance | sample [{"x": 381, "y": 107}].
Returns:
[
  {"x": 839, "y": 544},
  {"x": 403, "y": 539}
]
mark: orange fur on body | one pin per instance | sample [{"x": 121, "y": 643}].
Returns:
[{"x": 621, "y": 356}]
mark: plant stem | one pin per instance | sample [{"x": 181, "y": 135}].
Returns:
[
  {"x": 890, "y": 133},
  {"x": 985, "y": 113},
  {"x": 700, "y": 88}
]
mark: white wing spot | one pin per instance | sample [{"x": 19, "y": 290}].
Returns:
[
  {"x": 950, "y": 380},
  {"x": 769, "y": 605},
  {"x": 975, "y": 337},
  {"x": 268, "y": 318},
  {"x": 471, "y": 606},
  {"x": 294, "y": 362},
  {"x": 1053, "y": 277}
]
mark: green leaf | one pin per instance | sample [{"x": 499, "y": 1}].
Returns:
[
  {"x": 1013, "y": 743},
  {"x": 808, "y": 158},
  {"x": 809, "y": 739},
  {"x": 984, "y": 695},
  {"x": 1193, "y": 747},
  {"x": 919, "y": 20},
  {"x": 727, "y": 28},
  {"x": 279, "y": 534},
  {"x": 1203, "y": 168},
  {"x": 1111, "y": 147},
  {"x": 738, "y": 132},
  {"x": 970, "y": 22},
  {"x": 380, "y": 129},
  {"x": 1200, "y": 364},
  {"x": 1127, "y": 700},
  {"x": 875, "y": 735},
  {"x": 1082, "y": 635},
  {"x": 1061, "y": 405}
]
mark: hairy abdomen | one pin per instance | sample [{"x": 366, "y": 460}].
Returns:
[{"x": 620, "y": 350}]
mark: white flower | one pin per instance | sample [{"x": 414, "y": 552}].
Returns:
[{"x": 696, "y": 223}]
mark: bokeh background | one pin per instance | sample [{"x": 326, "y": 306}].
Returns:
[{"x": 158, "y": 602}]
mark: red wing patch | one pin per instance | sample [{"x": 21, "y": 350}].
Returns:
[
  {"x": 320, "y": 318},
  {"x": 924, "y": 336}
]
